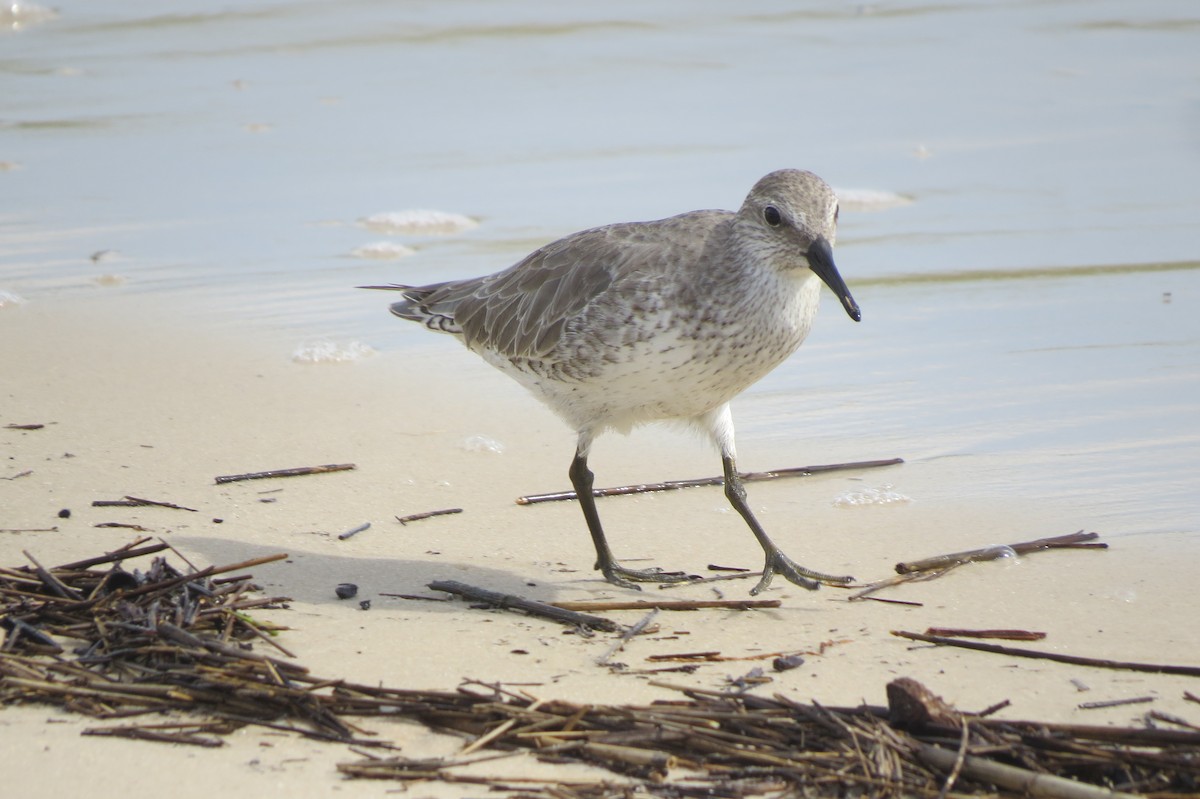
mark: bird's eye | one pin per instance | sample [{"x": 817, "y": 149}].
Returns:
[
  {"x": 835, "y": 214},
  {"x": 771, "y": 214}
]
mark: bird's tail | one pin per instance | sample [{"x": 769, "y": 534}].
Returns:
[{"x": 414, "y": 308}]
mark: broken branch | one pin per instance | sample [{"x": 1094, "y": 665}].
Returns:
[
  {"x": 673, "y": 485},
  {"x": 1156, "y": 668},
  {"x": 302, "y": 470}
]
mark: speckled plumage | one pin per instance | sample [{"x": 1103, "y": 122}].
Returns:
[{"x": 638, "y": 322}]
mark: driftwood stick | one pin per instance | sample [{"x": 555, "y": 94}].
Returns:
[
  {"x": 329, "y": 467},
  {"x": 1072, "y": 541},
  {"x": 1018, "y": 780},
  {"x": 1011, "y": 635},
  {"x": 939, "y": 565},
  {"x": 636, "y": 629},
  {"x": 673, "y": 485},
  {"x": 51, "y": 582},
  {"x": 1106, "y": 703},
  {"x": 131, "y": 551},
  {"x": 668, "y": 604},
  {"x": 898, "y": 579},
  {"x": 1154, "y": 668},
  {"x": 157, "y": 504},
  {"x": 429, "y": 514},
  {"x": 521, "y": 603},
  {"x": 354, "y": 531},
  {"x": 203, "y": 573}
]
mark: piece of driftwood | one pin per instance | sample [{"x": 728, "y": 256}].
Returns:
[
  {"x": 186, "y": 648},
  {"x": 1077, "y": 540},
  {"x": 296, "y": 472},
  {"x": 939, "y": 565},
  {"x": 1010, "y": 635},
  {"x": 354, "y": 531},
  {"x": 1136, "y": 700},
  {"x": 637, "y": 629},
  {"x": 674, "y": 485},
  {"x": 138, "y": 502},
  {"x": 1059, "y": 657},
  {"x": 668, "y": 604},
  {"x": 533, "y": 607},
  {"x": 429, "y": 514}
]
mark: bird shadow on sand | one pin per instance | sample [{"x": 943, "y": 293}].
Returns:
[{"x": 313, "y": 577}]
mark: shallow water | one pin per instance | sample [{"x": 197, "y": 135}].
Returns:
[{"x": 1031, "y": 309}]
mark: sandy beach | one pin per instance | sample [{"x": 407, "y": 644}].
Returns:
[
  {"x": 157, "y": 407},
  {"x": 188, "y": 197}
]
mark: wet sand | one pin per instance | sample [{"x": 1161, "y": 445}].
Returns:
[{"x": 141, "y": 403}]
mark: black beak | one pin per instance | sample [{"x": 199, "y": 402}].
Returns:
[{"x": 820, "y": 260}]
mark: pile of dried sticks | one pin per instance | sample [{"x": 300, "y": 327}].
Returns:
[{"x": 175, "y": 646}]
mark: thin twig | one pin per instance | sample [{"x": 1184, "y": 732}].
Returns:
[
  {"x": 302, "y": 470},
  {"x": 1157, "y": 668},
  {"x": 673, "y": 485},
  {"x": 429, "y": 514},
  {"x": 531, "y": 606},
  {"x": 1078, "y": 540},
  {"x": 354, "y": 531},
  {"x": 636, "y": 629},
  {"x": 1010, "y": 635},
  {"x": 668, "y": 604}
]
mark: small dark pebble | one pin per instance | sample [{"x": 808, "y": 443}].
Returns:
[
  {"x": 65, "y": 513},
  {"x": 346, "y": 590},
  {"x": 787, "y": 663},
  {"x": 365, "y": 604},
  {"x": 218, "y": 521}
]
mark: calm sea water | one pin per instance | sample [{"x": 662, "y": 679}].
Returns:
[{"x": 1029, "y": 283}]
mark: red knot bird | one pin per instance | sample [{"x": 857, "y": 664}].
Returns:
[{"x": 650, "y": 321}]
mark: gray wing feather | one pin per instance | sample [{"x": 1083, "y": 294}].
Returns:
[{"x": 524, "y": 311}]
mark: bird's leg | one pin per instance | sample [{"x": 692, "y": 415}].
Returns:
[
  {"x": 615, "y": 573},
  {"x": 777, "y": 562}
]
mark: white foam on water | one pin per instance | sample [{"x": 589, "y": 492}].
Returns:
[
  {"x": 418, "y": 222},
  {"x": 482, "y": 443},
  {"x": 10, "y": 300},
  {"x": 870, "y": 199},
  {"x": 383, "y": 251},
  {"x": 326, "y": 351},
  {"x": 18, "y": 15},
  {"x": 884, "y": 495}
]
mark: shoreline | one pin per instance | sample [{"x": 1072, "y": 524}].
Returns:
[{"x": 157, "y": 411}]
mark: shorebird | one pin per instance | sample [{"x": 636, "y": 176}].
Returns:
[{"x": 639, "y": 322}]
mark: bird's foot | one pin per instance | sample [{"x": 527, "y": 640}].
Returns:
[
  {"x": 779, "y": 563},
  {"x": 617, "y": 574}
]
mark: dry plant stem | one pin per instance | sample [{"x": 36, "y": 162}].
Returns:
[
  {"x": 133, "y": 550},
  {"x": 533, "y": 607},
  {"x": 302, "y": 470},
  {"x": 1156, "y": 668},
  {"x": 939, "y": 565},
  {"x": 157, "y": 504},
  {"x": 1137, "y": 700},
  {"x": 429, "y": 514},
  {"x": 673, "y": 485},
  {"x": 636, "y": 629},
  {"x": 354, "y": 531},
  {"x": 669, "y": 604},
  {"x": 1010, "y": 635},
  {"x": 1019, "y": 780},
  {"x": 1073, "y": 541},
  {"x": 184, "y": 649}
]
